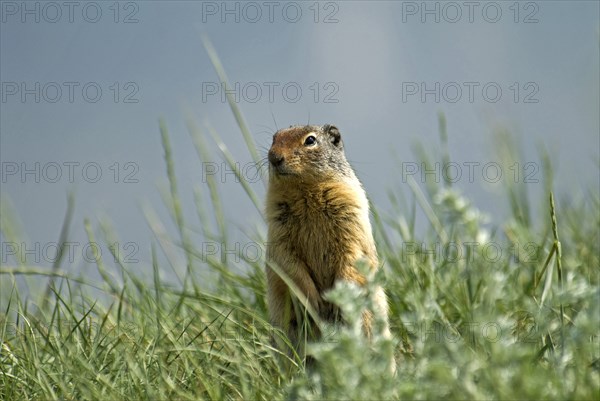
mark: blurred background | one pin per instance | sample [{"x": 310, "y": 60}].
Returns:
[{"x": 85, "y": 83}]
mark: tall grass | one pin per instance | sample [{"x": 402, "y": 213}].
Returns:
[{"x": 524, "y": 324}]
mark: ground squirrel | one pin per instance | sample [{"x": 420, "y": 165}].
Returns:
[{"x": 318, "y": 226}]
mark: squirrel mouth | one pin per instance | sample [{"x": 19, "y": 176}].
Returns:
[{"x": 281, "y": 170}]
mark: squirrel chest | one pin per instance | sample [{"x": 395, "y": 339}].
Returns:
[{"x": 322, "y": 225}]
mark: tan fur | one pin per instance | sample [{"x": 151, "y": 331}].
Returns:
[{"x": 318, "y": 226}]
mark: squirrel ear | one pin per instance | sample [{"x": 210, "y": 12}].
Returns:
[{"x": 333, "y": 133}]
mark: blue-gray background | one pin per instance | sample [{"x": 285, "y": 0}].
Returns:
[{"x": 362, "y": 55}]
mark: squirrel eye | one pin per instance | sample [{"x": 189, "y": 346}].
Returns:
[{"x": 310, "y": 140}]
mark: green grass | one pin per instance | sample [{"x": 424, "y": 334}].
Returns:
[{"x": 524, "y": 325}]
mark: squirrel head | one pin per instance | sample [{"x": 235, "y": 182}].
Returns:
[{"x": 308, "y": 152}]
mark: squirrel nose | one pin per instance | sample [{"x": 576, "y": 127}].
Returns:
[{"x": 275, "y": 159}]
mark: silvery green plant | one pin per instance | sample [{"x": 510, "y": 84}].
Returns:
[{"x": 348, "y": 364}]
